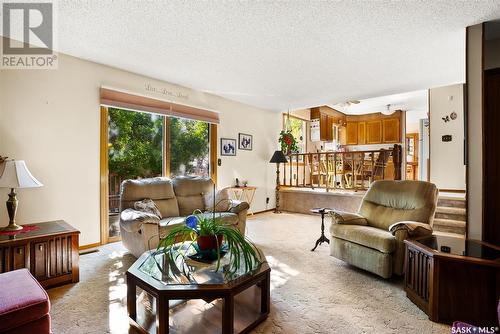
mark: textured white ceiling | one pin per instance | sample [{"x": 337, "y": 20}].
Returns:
[
  {"x": 278, "y": 54},
  {"x": 416, "y": 101}
]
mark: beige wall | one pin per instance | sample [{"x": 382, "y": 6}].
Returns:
[
  {"x": 447, "y": 168},
  {"x": 50, "y": 118},
  {"x": 475, "y": 132}
]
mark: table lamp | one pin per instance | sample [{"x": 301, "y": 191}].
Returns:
[
  {"x": 14, "y": 174},
  {"x": 277, "y": 158}
]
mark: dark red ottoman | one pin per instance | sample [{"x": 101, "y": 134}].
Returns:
[{"x": 24, "y": 304}]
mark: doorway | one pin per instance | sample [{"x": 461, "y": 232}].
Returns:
[{"x": 417, "y": 143}]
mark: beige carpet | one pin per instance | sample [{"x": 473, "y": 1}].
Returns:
[{"x": 312, "y": 292}]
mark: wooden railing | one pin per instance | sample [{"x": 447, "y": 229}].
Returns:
[{"x": 342, "y": 170}]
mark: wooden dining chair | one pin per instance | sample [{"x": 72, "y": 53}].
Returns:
[{"x": 378, "y": 171}]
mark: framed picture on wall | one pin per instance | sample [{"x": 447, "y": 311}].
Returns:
[
  {"x": 227, "y": 146},
  {"x": 245, "y": 142}
]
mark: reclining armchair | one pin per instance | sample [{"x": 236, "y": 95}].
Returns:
[
  {"x": 390, "y": 212},
  {"x": 175, "y": 200}
]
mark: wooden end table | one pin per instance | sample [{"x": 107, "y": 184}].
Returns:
[
  {"x": 453, "y": 279},
  {"x": 49, "y": 250},
  {"x": 245, "y": 194},
  {"x": 195, "y": 299}
]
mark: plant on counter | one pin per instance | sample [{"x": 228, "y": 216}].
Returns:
[{"x": 208, "y": 233}]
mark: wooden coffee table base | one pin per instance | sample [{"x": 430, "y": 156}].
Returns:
[{"x": 236, "y": 309}]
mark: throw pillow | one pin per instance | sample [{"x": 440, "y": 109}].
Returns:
[{"x": 149, "y": 206}]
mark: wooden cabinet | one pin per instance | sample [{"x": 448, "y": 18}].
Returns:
[
  {"x": 374, "y": 128},
  {"x": 352, "y": 133},
  {"x": 50, "y": 253},
  {"x": 342, "y": 135},
  {"x": 327, "y": 119},
  {"x": 439, "y": 282},
  {"x": 323, "y": 125},
  {"x": 329, "y": 128},
  {"x": 391, "y": 130},
  {"x": 40, "y": 261},
  {"x": 361, "y": 133},
  {"x": 374, "y": 132},
  {"x": 19, "y": 257}
]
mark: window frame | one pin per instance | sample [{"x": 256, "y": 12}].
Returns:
[{"x": 306, "y": 122}]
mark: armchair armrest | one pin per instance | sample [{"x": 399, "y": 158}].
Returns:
[
  {"x": 347, "y": 218},
  {"x": 132, "y": 220},
  {"x": 238, "y": 206},
  {"x": 410, "y": 229}
]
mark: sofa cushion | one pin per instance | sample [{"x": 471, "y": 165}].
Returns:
[
  {"x": 23, "y": 299},
  {"x": 159, "y": 189},
  {"x": 154, "y": 188},
  {"x": 368, "y": 236},
  {"x": 190, "y": 193},
  {"x": 168, "y": 207}
]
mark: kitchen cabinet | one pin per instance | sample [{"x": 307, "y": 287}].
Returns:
[
  {"x": 323, "y": 125},
  {"x": 342, "y": 135},
  {"x": 361, "y": 133},
  {"x": 326, "y": 122},
  {"x": 329, "y": 128},
  {"x": 374, "y": 132},
  {"x": 374, "y": 128},
  {"x": 352, "y": 133},
  {"x": 390, "y": 130}
]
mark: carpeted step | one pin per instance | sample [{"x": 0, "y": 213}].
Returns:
[
  {"x": 448, "y": 212},
  {"x": 451, "y": 202},
  {"x": 448, "y": 234},
  {"x": 449, "y": 225}
]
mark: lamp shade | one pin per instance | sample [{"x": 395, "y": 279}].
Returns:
[
  {"x": 15, "y": 174},
  {"x": 278, "y": 157}
]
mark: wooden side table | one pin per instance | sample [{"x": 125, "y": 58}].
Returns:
[
  {"x": 453, "y": 279},
  {"x": 245, "y": 194},
  {"x": 49, "y": 250},
  {"x": 322, "y": 238}
]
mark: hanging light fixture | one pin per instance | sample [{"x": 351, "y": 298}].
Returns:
[{"x": 388, "y": 111}]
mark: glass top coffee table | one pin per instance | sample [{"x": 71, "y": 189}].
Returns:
[{"x": 180, "y": 295}]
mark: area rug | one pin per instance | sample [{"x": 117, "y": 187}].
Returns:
[{"x": 311, "y": 292}]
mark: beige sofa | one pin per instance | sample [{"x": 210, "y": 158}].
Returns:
[
  {"x": 175, "y": 199},
  {"x": 391, "y": 211}
]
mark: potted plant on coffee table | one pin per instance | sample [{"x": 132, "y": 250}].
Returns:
[{"x": 209, "y": 236}]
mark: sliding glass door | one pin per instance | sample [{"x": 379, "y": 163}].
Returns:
[
  {"x": 135, "y": 150},
  {"x": 189, "y": 147},
  {"x": 136, "y": 145}
]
